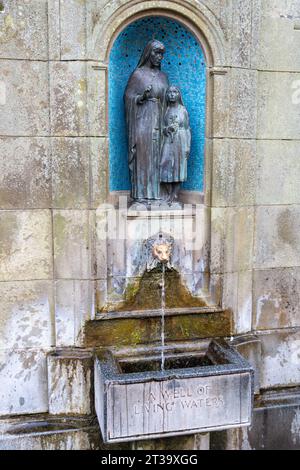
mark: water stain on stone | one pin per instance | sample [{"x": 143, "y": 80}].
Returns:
[
  {"x": 145, "y": 294},
  {"x": 286, "y": 228}
]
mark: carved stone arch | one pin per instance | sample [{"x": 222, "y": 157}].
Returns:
[{"x": 195, "y": 16}]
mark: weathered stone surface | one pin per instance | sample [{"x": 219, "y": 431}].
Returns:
[
  {"x": 222, "y": 9},
  {"x": 26, "y": 314},
  {"x": 70, "y": 382},
  {"x": 54, "y": 29},
  {"x": 23, "y": 26},
  {"x": 278, "y": 105},
  {"x": 25, "y": 109},
  {"x": 241, "y": 33},
  {"x": 23, "y": 382},
  {"x": 237, "y": 296},
  {"x": 275, "y": 426},
  {"x": 234, "y": 172},
  {"x": 25, "y": 173},
  {"x": 235, "y": 89},
  {"x": 72, "y": 257},
  {"x": 276, "y": 298},
  {"x": 278, "y": 37},
  {"x": 277, "y": 236},
  {"x": 250, "y": 348},
  {"x": 68, "y": 89},
  {"x": 26, "y": 247},
  {"x": 70, "y": 172},
  {"x": 73, "y": 33},
  {"x": 104, "y": 18},
  {"x": 233, "y": 291},
  {"x": 278, "y": 172},
  {"x": 96, "y": 99},
  {"x": 242, "y": 103},
  {"x": 49, "y": 433},
  {"x": 220, "y": 104},
  {"x": 100, "y": 242},
  {"x": 74, "y": 303},
  {"x": 239, "y": 23},
  {"x": 100, "y": 295},
  {"x": 99, "y": 171},
  {"x": 280, "y": 358},
  {"x": 231, "y": 239}
]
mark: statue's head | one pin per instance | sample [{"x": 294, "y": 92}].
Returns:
[
  {"x": 152, "y": 54},
  {"x": 173, "y": 95}
]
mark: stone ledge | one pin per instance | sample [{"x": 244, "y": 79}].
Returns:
[
  {"x": 44, "y": 432},
  {"x": 133, "y": 331}
]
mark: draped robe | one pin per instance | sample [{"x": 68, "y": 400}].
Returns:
[
  {"x": 176, "y": 147},
  {"x": 144, "y": 130}
]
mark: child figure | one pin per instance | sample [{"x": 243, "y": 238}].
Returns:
[{"x": 176, "y": 144}]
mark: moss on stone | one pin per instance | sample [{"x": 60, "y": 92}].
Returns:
[
  {"x": 133, "y": 331},
  {"x": 145, "y": 293}
]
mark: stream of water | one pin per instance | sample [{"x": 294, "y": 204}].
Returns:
[{"x": 163, "y": 308}]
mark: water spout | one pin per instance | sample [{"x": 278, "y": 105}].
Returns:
[
  {"x": 160, "y": 255},
  {"x": 163, "y": 308}
]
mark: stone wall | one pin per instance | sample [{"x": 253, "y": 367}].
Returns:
[{"x": 53, "y": 176}]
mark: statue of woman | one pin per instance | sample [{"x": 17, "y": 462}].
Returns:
[
  {"x": 176, "y": 145},
  {"x": 145, "y": 106}
]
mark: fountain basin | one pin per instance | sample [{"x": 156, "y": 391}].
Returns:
[{"x": 206, "y": 386}]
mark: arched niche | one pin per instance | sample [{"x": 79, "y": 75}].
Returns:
[
  {"x": 185, "y": 65},
  {"x": 203, "y": 25}
]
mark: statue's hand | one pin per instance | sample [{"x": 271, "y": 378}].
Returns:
[
  {"x": 145, "y": 96},
  {"x": 147, "y": 92}
]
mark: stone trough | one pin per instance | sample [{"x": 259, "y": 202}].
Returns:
[{"x": 206, "y": 386}]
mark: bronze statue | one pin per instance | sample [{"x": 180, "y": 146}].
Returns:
[
  {"x": 176, "y": 144},
  {"x": 145, "y": 106},
  {"x": 159, "y": 136}
]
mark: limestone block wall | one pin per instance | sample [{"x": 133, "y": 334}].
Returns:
[{"x": 53, "y": 176}]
